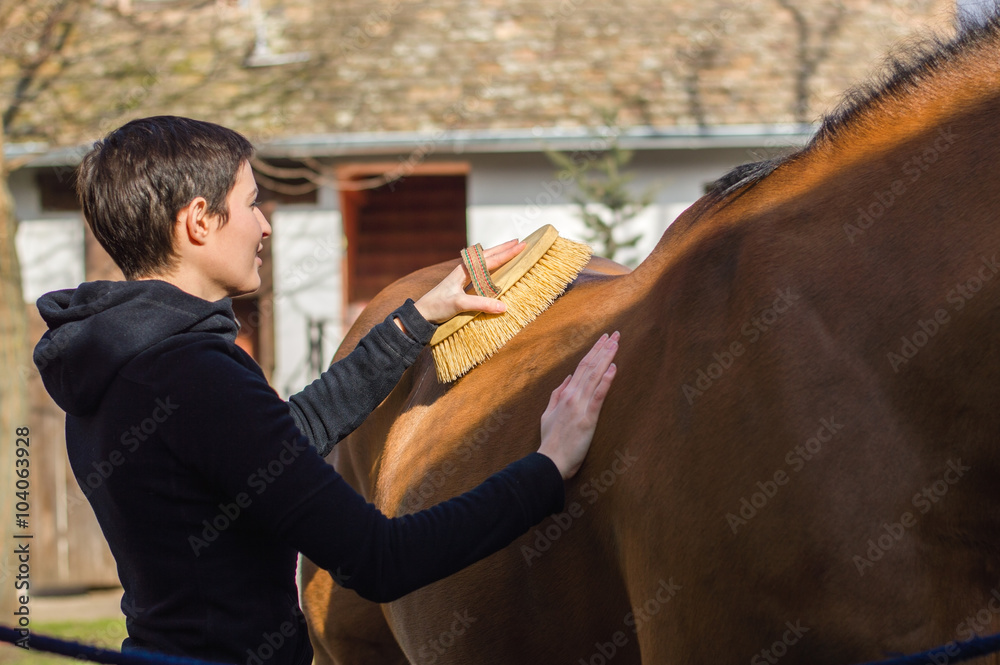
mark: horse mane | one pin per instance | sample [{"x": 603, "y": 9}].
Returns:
[{"x": 903, "y": 71}]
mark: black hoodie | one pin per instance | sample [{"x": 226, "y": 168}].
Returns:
[{"x": 206, "y": 487}]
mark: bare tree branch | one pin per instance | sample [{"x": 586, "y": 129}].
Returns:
[{"x": 810, "y": 55}]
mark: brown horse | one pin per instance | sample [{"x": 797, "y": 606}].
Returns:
[{"x": 798, "y": 460}]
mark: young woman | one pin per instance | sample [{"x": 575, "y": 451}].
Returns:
[{"x": 207, "y": 485}]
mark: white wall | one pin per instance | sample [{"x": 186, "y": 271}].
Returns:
[
  {"x": 511, "y": 195},
  {"x": 51, "y": 252},
  {"x": 307, "y": 250},
  {"x": 50, "y": 246}
]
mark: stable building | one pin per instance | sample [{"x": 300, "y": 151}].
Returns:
[{"x": 392, "y": 135}]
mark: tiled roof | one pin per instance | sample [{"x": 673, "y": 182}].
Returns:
[{"x": 427, "y": 66}]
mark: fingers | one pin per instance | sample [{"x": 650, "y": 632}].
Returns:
[
  {"x": 495, "y": 257},
  {"x": 502, "y": 247},
  {"x": 501, "y": 254},
  {"x": 597, "y": 400},
  {"x": 570, "y": 420},
  {"x": 557, "y": 393},
  {"x": 470, "y": 303},
  {"x": 460, "y": 276},
  {"x": 592, "y": 367},
  {"x": 450, "y": 298},
  {"x": 602, "y": 362}
]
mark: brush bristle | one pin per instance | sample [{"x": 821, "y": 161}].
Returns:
[{"x": 531, "y": 295}]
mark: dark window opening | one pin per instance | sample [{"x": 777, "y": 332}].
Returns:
[{"x": 58, "y": 189}]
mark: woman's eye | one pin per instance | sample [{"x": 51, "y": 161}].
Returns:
[{"x": 255, "y": 204}]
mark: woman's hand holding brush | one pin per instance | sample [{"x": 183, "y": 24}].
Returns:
[{"x": 449, "y": 298}]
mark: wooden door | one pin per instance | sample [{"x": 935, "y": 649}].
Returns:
[{"x": 398, "y": 228}]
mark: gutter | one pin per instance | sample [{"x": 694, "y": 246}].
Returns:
[{"x": 482, "y": 141}]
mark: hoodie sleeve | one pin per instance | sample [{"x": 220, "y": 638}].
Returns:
[
  {"x": 238, "y": 435},
  {"x": 336, "y": 403}
]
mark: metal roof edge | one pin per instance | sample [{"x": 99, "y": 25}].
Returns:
[
  {"x": 480, "y": 141},
  {"x": 472, "y": 141}
]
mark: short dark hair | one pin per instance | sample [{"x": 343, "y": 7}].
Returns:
[{"x": 133, "y": 183}]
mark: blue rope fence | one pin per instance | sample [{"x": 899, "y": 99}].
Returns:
[
  {"x": 953, "y": 652},
  {"x": 94, "y": 654}
]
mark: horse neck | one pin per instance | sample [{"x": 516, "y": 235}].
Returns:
[
  {"x": 884, "y": 235},
  {"x": 956, "y": 88}
]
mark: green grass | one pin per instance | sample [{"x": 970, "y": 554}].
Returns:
[{"x": 107, "y": 633}]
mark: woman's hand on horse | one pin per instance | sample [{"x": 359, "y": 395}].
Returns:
[
  {"x": 449, "y": 298},
  {"x": 569, "y": 421}
]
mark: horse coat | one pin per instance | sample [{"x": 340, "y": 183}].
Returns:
[{"x": 798, "y": 458}]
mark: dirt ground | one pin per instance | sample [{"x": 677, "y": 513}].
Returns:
[{"x": 101, "y": 604}]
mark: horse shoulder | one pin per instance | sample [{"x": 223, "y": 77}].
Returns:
[{"x": 388, "y": 299}]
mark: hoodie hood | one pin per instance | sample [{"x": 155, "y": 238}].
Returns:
[{"x": 97, "y": 328}]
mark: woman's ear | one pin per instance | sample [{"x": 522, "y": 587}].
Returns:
[{"x": 194, "y": 224}]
